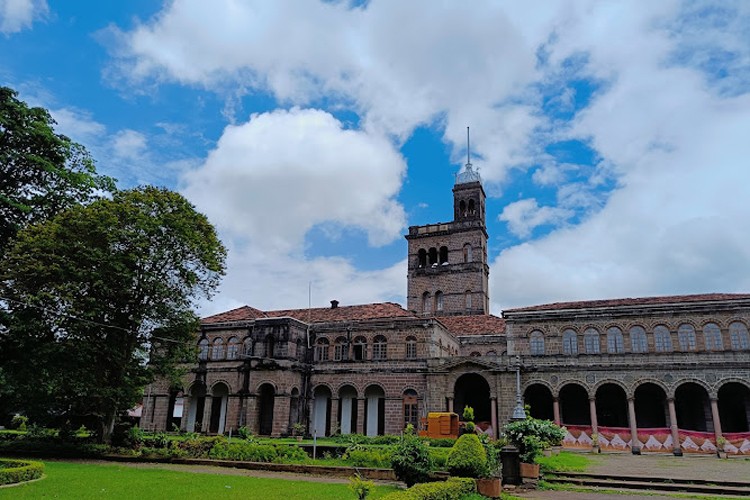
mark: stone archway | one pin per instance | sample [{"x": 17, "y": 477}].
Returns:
[
  {"x": 473, "y": 390},
  {"x": 217, "y": 420},
  {"x": 266, "y": 397},
  {"x": 540, "y": 401}
]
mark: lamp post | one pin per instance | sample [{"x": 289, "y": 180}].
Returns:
[{"x": 518, "y": 412}]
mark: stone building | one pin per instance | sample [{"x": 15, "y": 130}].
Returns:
[{"x": 673, "y": 372}]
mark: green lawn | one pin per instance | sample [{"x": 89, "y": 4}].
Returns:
[
  {"x": 566, "y": 461},
  {"x": 82, "y": 481}
]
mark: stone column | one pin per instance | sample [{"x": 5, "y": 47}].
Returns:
[
  {"x": 360, "y": 409},
  {"x": 556, "y": 410},
  {"x": 635, "y": 445},
  {"x": 592, "y": 412},
  {"x": 493, "y": 417},
  {"x": 450, "y": 404},
  {"x": 716, "y": 419},
  {"x": 335, "y": 417},
  {"x": 677, "y": 450},
  {"x": 206, "y": 418}
]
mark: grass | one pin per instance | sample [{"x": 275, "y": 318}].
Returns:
[
  {"x": 566, "y": 461},
  {"x": 89, "y": 481}
]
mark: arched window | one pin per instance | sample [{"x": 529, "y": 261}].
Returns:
[
  {"x": 411, "y": 347},
  {"x": 738, "y": 336},
  {"x": 321, "y": 349},
  {"x": 270, "y": 345},
  {"x": 467, "y": 299},
  {"x": 341, "y": 352},
  {"x": 426, "y": 303},
  {"x": 615, "y": 342},
  {"x": 217, "y": 351},
  {"x": 443, "y": 255},
  {"x": 411, "y": 410},
  {"x": 536, "y": 343},
  {"x": 472, "y": 208},
  {"x": 422, "y": 258},
  {"x": 203, "y": 349},
  {"x": 468, "y": 252},
  {"x": 433, "y": 256},
  {"x": 662, "y": 339},
  {"x": 638, "y": 340},
  {"x": 438, "y": 301},
  {"x": 380, "y": 348},
  {"x": 360, "y": 349},
  {"x": 686, "y": 337},
  {"x": 712, "y": 336},
  {"x": 570, "y": 342},
  {"x": 591, "y": 341},
  {"x": 233, "y": 348},
  {"x": 247, "y": 346},
  {"x": 462, "y": 208}
]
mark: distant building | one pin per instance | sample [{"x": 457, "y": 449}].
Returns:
[{"x": 673, "y": 371}]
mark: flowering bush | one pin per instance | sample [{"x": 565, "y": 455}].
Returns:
[{"x": 532, "y": 435}]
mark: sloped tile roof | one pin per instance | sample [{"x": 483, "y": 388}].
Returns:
[
  {"x": 317, "y": 314},
  {"x": 485, "y": 324},
  {"x": 641, "y": 301}
]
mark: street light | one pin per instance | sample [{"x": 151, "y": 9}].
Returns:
[{"x": 518, "y": 412}]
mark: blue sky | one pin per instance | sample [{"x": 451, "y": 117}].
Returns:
[{"x": 612, "y": 137}]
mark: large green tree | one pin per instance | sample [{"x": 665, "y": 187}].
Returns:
[
  {"x": 101, "y": 299},
  {"x": 41, "y": 172}
]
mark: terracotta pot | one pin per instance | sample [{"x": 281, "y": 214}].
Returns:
[
  {"x": 530, "y": 471},
  {"x": 489, "y": 487}
]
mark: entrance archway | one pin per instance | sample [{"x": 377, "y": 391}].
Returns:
[
  {"x": 321, "y": 410},
  {"x": 473, "y": 390},
  {"x": 220, "y": 395},
  {"x": 734, "y": 407},
  {"x": 374, "y": 411},
  {"x": 266, "y": 396},
  {"x": 574, "y": 405},
  {"x": 692, "y": 405},
  {"x": 539, "y": 399},
  {"x": 650, "y": 406},
  {"x": 611, "y": 406},
  {"x": 196, "y": 408},
  {"x": 348, "y": 410}
]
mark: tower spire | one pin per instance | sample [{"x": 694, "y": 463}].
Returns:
[{"x": 468, "y": 150}]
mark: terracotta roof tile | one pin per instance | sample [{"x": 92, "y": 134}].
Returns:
[
  {"x": 316, "y": 314},
  {"x": 474, "y": 325},
  {"x": 640, "y": 301}
]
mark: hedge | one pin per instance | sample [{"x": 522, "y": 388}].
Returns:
[
  {"x": 253, "y": 452},
  {"x": 452, "y": 489},
  {"x": 16, "y": 471}
]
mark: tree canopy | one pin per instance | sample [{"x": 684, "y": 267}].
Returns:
[
  {"x": 41, "y": 172},
  {"x": 96, "y": 291}
]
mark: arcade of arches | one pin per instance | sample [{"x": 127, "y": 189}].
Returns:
[{"x": 688, "y": 419}]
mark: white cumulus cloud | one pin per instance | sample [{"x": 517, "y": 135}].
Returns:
[{"x": 16, "y": 15}]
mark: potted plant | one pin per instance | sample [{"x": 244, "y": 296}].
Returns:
[
  {"x": 298, "y": 430},
  {"x": 595, "y": 443},
  {"x": 721, "y": 450},
  {"x": 490, "y": 484},
  {"x": 531, "y": 436},
  {"x": 477, "y": 459}
]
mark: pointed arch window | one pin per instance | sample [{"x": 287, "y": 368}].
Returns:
[
  {"x": 638, "y": 341},
  {"x": 570, "y": 342},
  {"x": 360, "y": 349},
  {"x": 203, "y": 349},
  {"x": 438, "y": 301},
  {"x": 467, "y": 299},
  {"x": 615, "y": 341},
  {"x": 380, "y": 348},
  {"x": 426, "y": 303},
  {"x": 591, "y": 341},
  {"x": 422, "y": 258},
  {"x": 233, "y": 347},
  {"x": 686, "y": 337},
  {"x": 443, "y": 255},
  {"x": 738, "y": 336},
  {"x": 433, "y": 254},
  {"x": 411, "y": 347},
  {"x": 662, "y": 339},
  {"x": 536, "y": 343},
  {"x": 321, "y": 349},
  {"x": 472, "y": 207},
  {"x": 341, "y": 351},
  {"x": 270, "y": 346},
  {"x": 468, "y": 257},
  {"x": 217, "y": 349},
  {"x": 247, "y": 346},
  {"x": 712, "y": 336}
]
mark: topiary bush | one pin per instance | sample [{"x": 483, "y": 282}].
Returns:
[
  {"x": 411, "y": 459},
  {"x": 16, "y": 471},
  {"x": 468, "y": 457},
  {"x": 452, "y": 489}
]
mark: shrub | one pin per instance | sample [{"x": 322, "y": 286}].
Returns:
[
  {"x": 244, "y": 433},
  {"x": 254, "y": 452},
  {"x": 467, "y": 457},
  {"x": 361, "y": 457},
  {"x": 158, "y": 440},
  {"x": 532, "y": 435},
  {"x": 125, "y": 435},
  {"x": 452, "y": 489},
  {"x": 360, "y": 487},
  {"x": 199, "y": 446},
  {"x": 411, "y": 459},
  {"x": 16, "y": 471},
  {"x": 19, "y": 422},
  {"x": 468, "y": 414},
  {"x": 439, "y": 457},
  {"x": 441, "y": 442}
]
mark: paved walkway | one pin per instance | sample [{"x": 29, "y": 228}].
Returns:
[{"x": 665, "y": 466}]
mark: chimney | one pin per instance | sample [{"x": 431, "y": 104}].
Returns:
[{"x": 334, "y": 304}]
